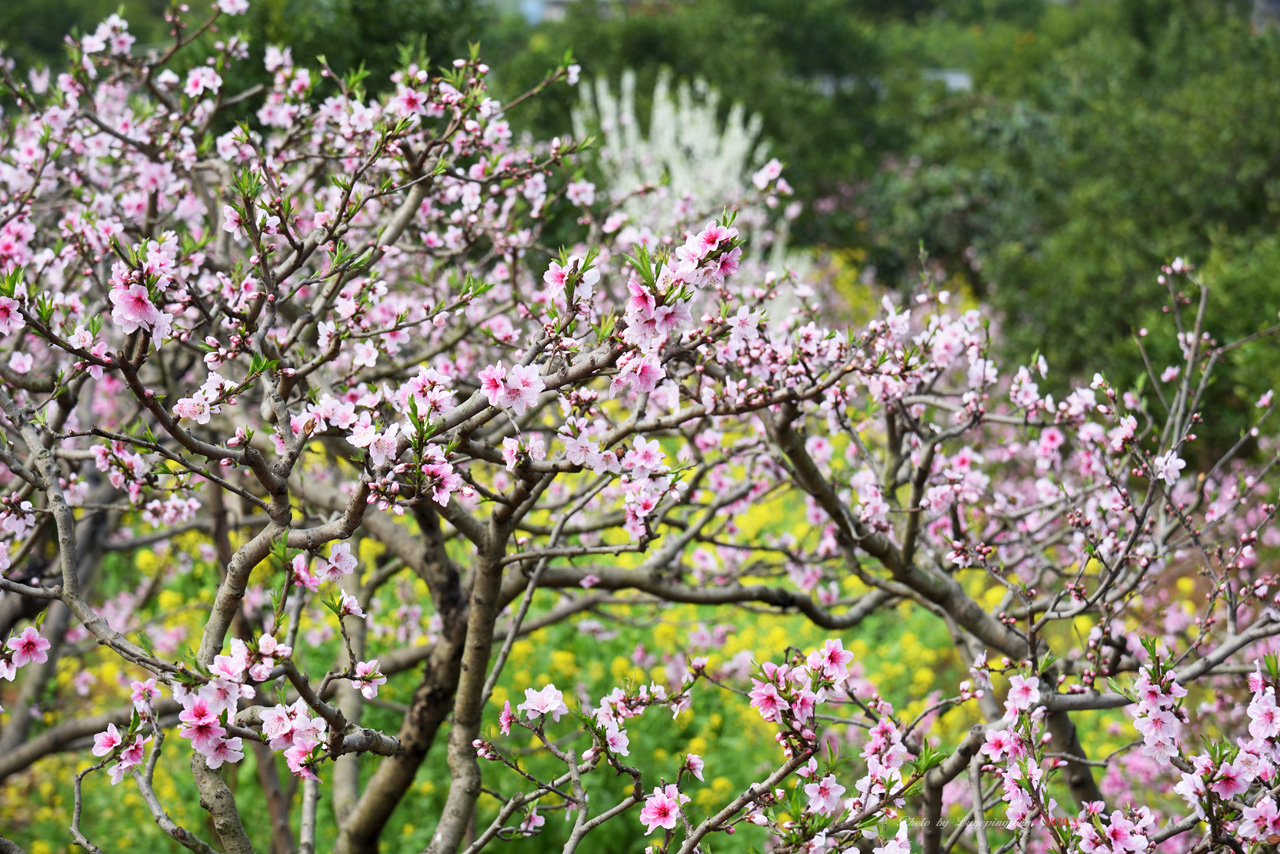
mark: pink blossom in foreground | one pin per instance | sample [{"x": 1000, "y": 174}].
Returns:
[
  {"x": 130, "y": 758},
  {"x": 660, "y": 810},
  {"x": 224, "y": 750},
  {"x": 516, "y": 389},
  {"x": 549, "y": 701},
  {"x": 1023, "y": 693},
  {"x": 368, "y": 678},
  {"x": 766, "y": 699},
  {"x": 532, "y": 822},
  {"x": 695, "y": 764},
  {"x": 824, "y": 796},
  {"x": 29, "y": 647},
  {"x": 1168, "y": 466},
  {"x": 105, "y": 742},
  {"x": 898, "y": 845}
]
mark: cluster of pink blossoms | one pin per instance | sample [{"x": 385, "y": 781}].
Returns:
[
  {"x": 1156, "y": 714},
  {"x": 787, "y": 695},
  {"x": 1228, "y": 779},
  {"x": 202, "y": 724},
  {"x": 516, "y": 389},
  {"x": 293, "y": 730},
  {"x": 110, "y": 742},
  {"x": 208, "y": 711},
  {"x": 27, "y": 648},
  {"x": 1123, "y": 834}
]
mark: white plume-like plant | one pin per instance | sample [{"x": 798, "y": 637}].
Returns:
[{"x": 686, "y": 168}]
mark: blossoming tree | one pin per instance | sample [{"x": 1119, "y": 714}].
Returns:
[{"x": 343, "y": 326}]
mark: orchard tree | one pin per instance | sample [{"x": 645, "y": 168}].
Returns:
[{"x": 272, "y": 347}]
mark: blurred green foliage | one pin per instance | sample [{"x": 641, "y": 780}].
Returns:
[
  {"x": 33, "y": 31},
  {"x": 1097, "y": 142},
  {"x": 349, "y": 33}
]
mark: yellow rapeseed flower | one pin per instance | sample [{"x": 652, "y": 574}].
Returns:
[{"x": 562, "y": 661}]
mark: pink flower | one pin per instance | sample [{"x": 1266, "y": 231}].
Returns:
[
  {"x": 29, "y": 647},
  {"x": 272, "y": 648},
  {"x": 383, "y": 448},
  {"x": 524, "y": 384},
  {"x": 493, "y": 380},
  {"x": 506, "y": 718},
  {"x": 768, "y": 174},
  {"x": 898, "y": 845},
  {"x": 556, "y": 277},
  {"x": 143, "y": 694},
  {"x": 616, "y": 738},
  {"x": 197, "y": 408},
  {"x": 1123, "y": 835},
  {"x": 277, "y": 725},
  {"x": 409, "y": 102},
  {"x": 1264, "y": 717},
  {"x": 641, "y": 375},
  {"x": 200, "y": 723},
  {"x": 1023, "y": 693},
  {"x": 712, "y": 238},
  {"x": 223, "y": 750},
  {"x": 549, "y": 701},
  {"x": 133, "y": 308},
  {"x": 11, "y": 319},
  {"x": 131, "y": 757},
  {"x": 765, "y": 698},
  {"x": 1167, "y": 466},
  {"x": 342, "y": 560},
  {"x": 1261, "y": 820},
  {"x": 998, "y": 744},
  {"x": 296, "y": 758},
  {"x": 517, "y": 389},
  {"x": 202, "y": 79},
  {"x": 659, "y": 811},
  {"x": 21, "y": 363},
  {"x": 645, "y": 455},
  {"x": 105, "y": 742},
  {"x": 824, "y": 796},
  {"x": 304, "y": 575},
  {"x": 368, "y": 678},
  {"x": 695, "y": 765},
  {"x": 1231, "y": 781},
  {"x": 532, "y": 822},
  {"x": 231, "y": 221},
  {"x": 834, "y": 660},
  {"x": 351, "y": 606}
]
